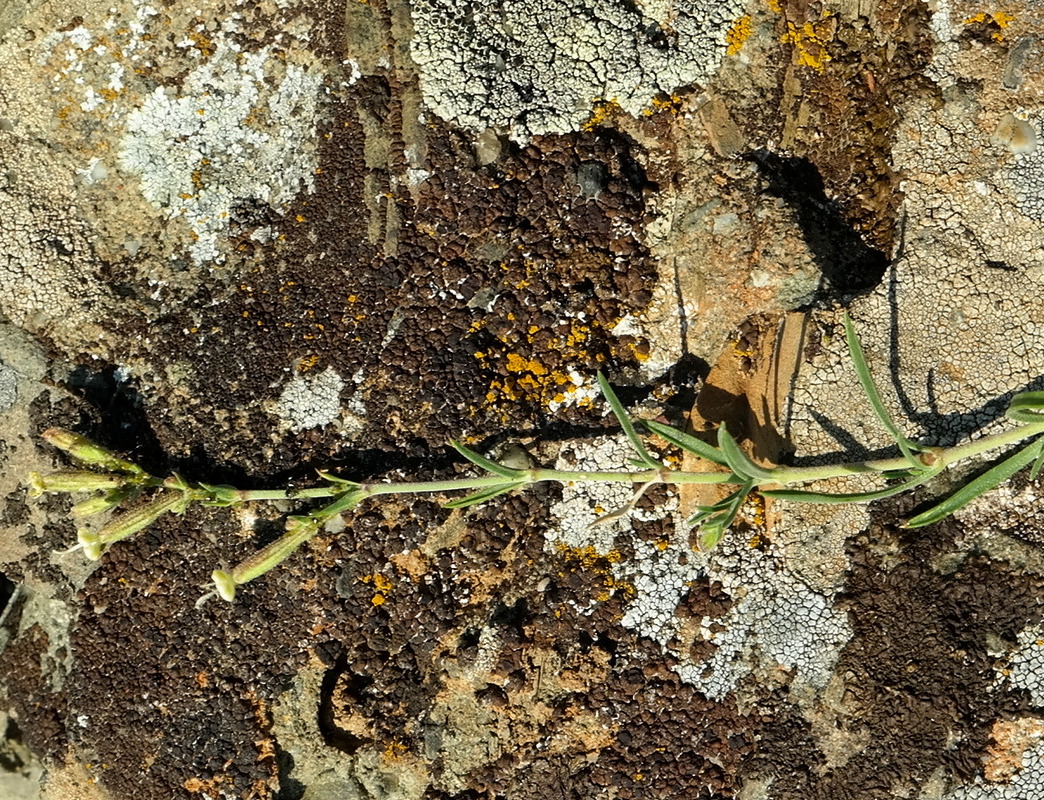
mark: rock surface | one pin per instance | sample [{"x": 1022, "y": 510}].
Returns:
[{"x": 247, "y": 240}]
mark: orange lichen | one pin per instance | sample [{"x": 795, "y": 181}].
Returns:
[
  {"x": 810, "y": 41},
  {"x": 601, "y": 112},
  {"x": 382, "y": 587},
  {"x": 738, "y": 34},
  {"x": 600, "y": 564},
  {"x": 671, "y": 104},
  {"x": 1001, "y": 19}
]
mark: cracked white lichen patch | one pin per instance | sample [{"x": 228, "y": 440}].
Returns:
[
  {"x": 8, "y": 386},
  {"x": 538, "y": 68},
  {"x": 310, "y": 401},
  {"x": 1026, "y": 174},
  {"x": 223, "y": 139},
  {"x": 661, "y": 576},
  {"x": 45, "y": 251},
  {"x": 205, "y": 111},
  {"x": 1026, "y": 784},
  {"x": 580, "y": 516},
  {"x": 775, "y": 621},
  {"x": 1025, "y": 664}
]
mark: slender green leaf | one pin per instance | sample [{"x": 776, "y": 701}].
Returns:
[
  {"x": 331, "y": 478},
  {"x": 988, "y": 480},
  {"x": 626, "y": 424},
  {"x": 1027, "y": 407},
  {"x": 1035, "y": 469},
  {"x": 482, "y": 495},
  {"x": 828, "y": 498},
  {"x": 485, "y": 463},
  {"x": 736, "y": 502},
  {"x": 855, "y": 349},
  {"x": 738, "y": 461},
  {"x": 686, "y": 442},
  {"x": 723, "y": 513},
  {"x": 346, "y": 502}
]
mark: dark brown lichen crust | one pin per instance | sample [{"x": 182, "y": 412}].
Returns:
[
  {"x": 921, "y": 690},
  {"x": 450, "y": 303}
]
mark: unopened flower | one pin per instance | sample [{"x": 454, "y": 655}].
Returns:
[
  {"x": 130, "y": 522},
  {"x": 83, "y": 449},
  {"x": 91, "y": 544},
  {"x": 72, "y": 481},
  {"x": 298, "y": 531}
]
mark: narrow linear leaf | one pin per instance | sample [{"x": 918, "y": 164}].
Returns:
[
  {"x": 686, "y": 442},
  {"x": 625, "y": 423},
  {"x": 1035, "y": 469},
  {"x": 331, "y": 478},
  {"x": 1026, "y": 407},
  {"x": 346, "y": 502},
  {"x": 988, "y": 480},
  {"x": 485, "y": 463},
  {"x": 723, "y": 513},
  {"x": 735, "y": 504},
  {"x": 855, "y": 349},
  {"x": 482, "y": 495},
  {"x": 828, "y": 498},
  {"x": 738, "y": 461}
]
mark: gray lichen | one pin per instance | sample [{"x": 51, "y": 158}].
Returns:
[
  {"x": 538, "y": 68},
  {"x": 311, "y": 401}
]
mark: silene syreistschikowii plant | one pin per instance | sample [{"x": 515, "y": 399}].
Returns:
[{"x": 112, "y": 483}]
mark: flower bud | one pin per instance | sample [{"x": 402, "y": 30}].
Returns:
[
  {"x": 136, "y": 519},
  {"x": 94, "y": 505},
  {"x": 73, "y": 481},
  {"x": 225, "y": 584},
  {"x": 298, "y": 531},
  {"x": 92, "y": 545},
  {"x": 83, "y": 449}
]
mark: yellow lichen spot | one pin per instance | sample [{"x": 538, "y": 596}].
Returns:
[
  {"x": 999, "y": 18},
  {"x": 382, "y": 587},
  {"x": 395, "y": 751},
  {"x": 516, "y": 363},
  {"x": 204, "y": 44},
  {"x": 809, "y": 42},
  {"x": 738, "y": 34},
  {"x": 307, "y": 363},
  {"x": 774, "y": 6},
  {"x": 671, "y": 104},
  {"x": 601, "y": 112},
  {"x": 662, "y": 544},
  {"x": 300, "y": 218}
]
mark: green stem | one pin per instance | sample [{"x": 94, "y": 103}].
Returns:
[
  {"x": 946, "y": 456},
  {"x": 778, "y": 475}
]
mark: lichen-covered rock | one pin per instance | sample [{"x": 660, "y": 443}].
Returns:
[{"x": 243, "y": 241}]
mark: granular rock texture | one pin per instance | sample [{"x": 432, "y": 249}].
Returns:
[{"x": 246, "y": 241}]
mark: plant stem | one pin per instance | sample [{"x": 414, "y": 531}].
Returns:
[
  {"x": 947, "y": 456},
  {"x": 779, "y": 475}
]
